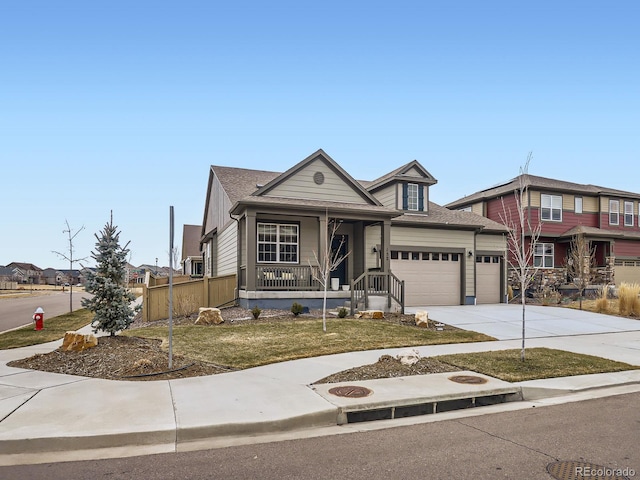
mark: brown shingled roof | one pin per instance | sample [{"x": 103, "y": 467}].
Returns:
[
  {"x": 542, "y": 183},
  {"x": 241, "y": 182},
  {"x": 442, "y": 216}
]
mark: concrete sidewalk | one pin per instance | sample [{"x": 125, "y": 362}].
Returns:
[{"x": 48, "y": 417}]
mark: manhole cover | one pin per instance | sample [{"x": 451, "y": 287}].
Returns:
[
  {"x": 468, "y": 379},
  {"x": 570, "y": 470},
  {"x": 350, "y": 391}
]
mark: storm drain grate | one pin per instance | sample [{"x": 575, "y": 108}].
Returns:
[
  {"x": 572, "y": 470},
  {"x": 468, "y": 379},
  {"x": 350, "y": 391}
]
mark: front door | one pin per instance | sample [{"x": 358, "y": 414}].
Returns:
[{"x": 339, "y": 248}]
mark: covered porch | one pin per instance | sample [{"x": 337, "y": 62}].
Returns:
[{"x": 282, "y": 250}]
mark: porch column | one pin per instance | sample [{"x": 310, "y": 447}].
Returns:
[
  {"x": 385, "y": 244},
  {"x": 251, "y": 240},
  {"x": 322, "y": 241}
]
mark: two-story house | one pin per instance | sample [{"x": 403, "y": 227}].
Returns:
[
  {"x": 270, "y": 229},
  {"x": 26, "y": 272},
  {"x": 608, "y": 218},
  {"x": 191, "y": 256}
]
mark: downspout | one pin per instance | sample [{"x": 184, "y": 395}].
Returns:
[{"x": 238, "y": 245}]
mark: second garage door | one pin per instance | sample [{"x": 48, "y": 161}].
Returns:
[
  {"x": 488, "y": 279},
  {"x": 429, "y": 278}
]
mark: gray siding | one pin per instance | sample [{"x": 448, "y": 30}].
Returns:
[
  {"x": 301, "y": 185},
  {"x": 372, "y": 237},
  {"x": 387, "y": 196},
  {"x": 217, "y": 215},
  {"x": 494, "y": 243},
  {"x": 226, "y": 261}
]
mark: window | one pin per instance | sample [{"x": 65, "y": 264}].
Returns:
[
  {"x": 628, "y": 214},
  {"x": 578, "y": 205},
  {"x": 277, "y": 243},
  {"x": 412, "y": 197},
  {"x": 551, "y": 206},
  {"x": 614, "y": 212},
  {"x": 543, "y": 255}
]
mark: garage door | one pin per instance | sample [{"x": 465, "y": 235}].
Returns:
[
  {"x": 429, "y": 278},
  {"x": 488, "y": 279},
  {"x": 627, "y": 271}
]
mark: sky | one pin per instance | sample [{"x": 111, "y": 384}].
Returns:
[{"x": 122, "y": 106}]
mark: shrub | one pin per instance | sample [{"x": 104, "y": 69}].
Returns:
[
  {"x": 628, "y": 301},
  {"x": 602, "y": 302},
  {"x": 255, "y": 311},
  {"x": 296, "y": 309},
  {"x": 342, "y": 312},
  {"x": 549, "y": 296}
]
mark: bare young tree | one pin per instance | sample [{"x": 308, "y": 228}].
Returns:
[
  {"x": 71, "y": 260},
  {"x": 521, "y": 253},
  {"x": 327, "y": 261},
  {"x": 580, "y": 258}
]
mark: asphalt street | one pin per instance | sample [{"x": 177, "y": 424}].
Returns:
[
  {"x": 16, "y": 312},
  {"x": 520, "y": 444}
]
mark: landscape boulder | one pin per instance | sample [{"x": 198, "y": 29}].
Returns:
[
  {"x": 408, "y": 356},
  {"x": 77, "y": 342},
  {"x": 370, "y": 314},
  {"x": 209, "y": 316},
  {"x": 422, "y": 318}
]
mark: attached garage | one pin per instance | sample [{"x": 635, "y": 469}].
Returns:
[
  {"x": 488, "y": 283},
  {"x": 430, "y": 278}
]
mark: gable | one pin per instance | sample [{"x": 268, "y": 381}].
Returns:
[
  {"x": 411, "y": 172},
  {"x": 318, "y": 177}
]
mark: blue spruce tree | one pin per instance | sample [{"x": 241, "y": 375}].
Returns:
[{"x": 111, "y": 301}]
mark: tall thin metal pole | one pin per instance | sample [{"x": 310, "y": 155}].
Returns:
[{"x": 171, "y": 287}]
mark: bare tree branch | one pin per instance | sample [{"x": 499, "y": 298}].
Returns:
[
  {"x": 580, "y": 260},
  {"x": 327, "y": 261},
  {"x": 521, "y": 253}
]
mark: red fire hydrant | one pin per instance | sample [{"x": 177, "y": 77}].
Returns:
[{"x": 38, "y": 317}]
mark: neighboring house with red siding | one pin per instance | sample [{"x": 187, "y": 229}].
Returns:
[{"x": 608, "y": 218}]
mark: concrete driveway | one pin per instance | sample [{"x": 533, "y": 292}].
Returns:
[{"x": 504, "y": 321}]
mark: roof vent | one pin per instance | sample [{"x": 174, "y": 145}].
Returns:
[{"x": 259, "y": 185}]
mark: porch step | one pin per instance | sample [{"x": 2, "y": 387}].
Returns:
[{"x": 376, "y": 302}]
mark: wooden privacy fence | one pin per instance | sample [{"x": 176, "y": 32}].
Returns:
[{"x": 188, "y": 297}]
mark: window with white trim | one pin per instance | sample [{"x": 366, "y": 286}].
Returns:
[
  {"x": 543, "y": 255},
  {"x": 577, "y": 205},
  {"x": 412, "y": 196},
  {"x": 614, "y": 212},
  {"x": 551, "y": 207},
  {"x": 628, "y": 214},
  {"x": 277, "y": 243}
]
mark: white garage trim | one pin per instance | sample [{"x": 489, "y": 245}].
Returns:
[{"x": 430, "y": 278}]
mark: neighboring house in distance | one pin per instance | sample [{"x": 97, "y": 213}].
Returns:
[
  {"x": 7, "y": 274},
  {"x": 51, "y": 276},
  {"x": 608, "y": 218},
  {"x": 267, "y": 228},
  {"x": 191, "y": 255},
  {"x": 26, "y": 272},
  {"x": 70, "y": 276}
]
